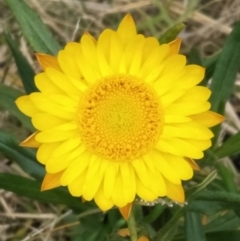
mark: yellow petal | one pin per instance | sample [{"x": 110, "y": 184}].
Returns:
[
  {"x": 197, "y": 93},
  {"x": 46, "y": 60},
  {"x": 67, "y": 60},
  {"x": 126, "y": 210},
  {"x": 128, "y": 176},
  {"x": 117, "y": 197},
  {"x": 145, "y": 192},
  {"x": 208, "y": 118},
  {"x": 154, "y": 60},
  {"x": 186, "y": 109},
  {"x": 92, "y": 185},
  {"x": 200, "y": 144},
  {"x": 183, "y": 147},
  {"x": 127, "y": 29},
  {"x": 49, "y": 136},
  {"x": 25, "y": 104},
  {"x": 90, "y": 73},
  {"x": 45, "y": 151},
  {"x": 62, "y": 81},
  {"x": 150, "y": 45},
  {"x": 66, "y": 146},
  {"x": 174, "y": 47},
  {"x": 141, "y": 171},
  {"x": 43, "y": 104},
  {"x": 76, "y": 186},
  {"x": 51, "y": 181},
  {"x": 174, "y": 63},
  {"x": 57, "y": 164},
  {"x": 175, "y": 192},
  {"x": 180, "y": 166},
  {"x": 133, "y": 47},
  {"x": 101, "y": 200},
  {"x": 109, "y": 180},
  {"x": 45, "y": 85},
  {"x": 94, "y": 166},
  {"x": 89, "y": 50},
  {"x": 45, "y": 121},
  {"x": 31, "y": 141},
  {"x": 161, "y": 163},
  {"x": 189, "y": 130},
  {"x": 170, "y": 119},
  {"x": 193, "y": 76},
  {"x": 75, "y": 168}
]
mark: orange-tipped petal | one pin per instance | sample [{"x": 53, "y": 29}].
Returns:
[
  {"x": 193, "y": 164},
  {"x": 175, "y": 191},
  {"x": 208, "y": 118},
  {"x": 46, "y": 60},
  {"x": 143, "y": 238},
  {"x": 174, "y": 47},
  {"x": 30, "y": 141},
  {"x": 51, "y": 180},
  {"x": 124, "y": 232},
  {"x": 126, "y": 210}
]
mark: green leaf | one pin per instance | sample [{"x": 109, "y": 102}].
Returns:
[
  {"x": 219, "y": 196},
  {"x": 172, "y": 33},
  {"x": 25, "y": 70},
  {"x": 230, "y": 147},
  {"x": 34, "y": 30},
  {"x": 194, "y": 57},
  {"x": 232, "y": 235},
  {"x": 194, "y": 229},
  {"x": 210, "y": 65},
  {"x": 223, "y": 222},
  {"x": 165, "y": 233},
  {"x": 8, "y": 97},
  {"x": 22, "y": 156},
  {"x": 226, "y": 70},
  {"x": 227, "y": 177},
  {"x": 31, "y": 189},
  {"x": 193, "y": 191}
]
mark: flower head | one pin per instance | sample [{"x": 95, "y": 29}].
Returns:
[{"x": 119, "y": 117}]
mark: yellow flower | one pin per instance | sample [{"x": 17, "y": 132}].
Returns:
[{"x": 119, "y": 116}]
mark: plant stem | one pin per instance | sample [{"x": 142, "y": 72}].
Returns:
[{"x": 132, "y": 226}]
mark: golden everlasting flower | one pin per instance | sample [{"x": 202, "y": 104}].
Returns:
[{"x": 119, "y": 116}]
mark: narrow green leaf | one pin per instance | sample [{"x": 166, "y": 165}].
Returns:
[
  {"x": 194, "y": 57},
  {"x": 210, "y": 65},
  {"x": 8, "y": 97},
  {"x": 219, "y": 196},
  {"x": 165, "y": 232},
  {"x": 193, "y": 191},
  {"x": 223, "y": 222},
  {"x": 25, "y": 70},
  {"x": 22, "y": 156},
  {"x": 34, "y": 30},
  {"x": 194, "y": 229},
  {"x": 31, "y": 189},
  {"x": 172, "y": 33},
  {"x": 233, "y": 235},
  {"x": 226, "y": 70},
  {"x": 230, "y": 147},
  {"x": 227, "y": 178}
]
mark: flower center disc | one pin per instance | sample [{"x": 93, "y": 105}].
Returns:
[{"x": 120, "y": 118}]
